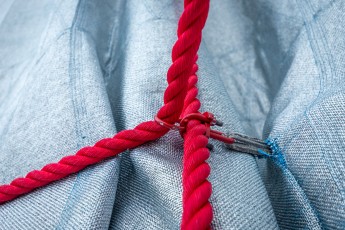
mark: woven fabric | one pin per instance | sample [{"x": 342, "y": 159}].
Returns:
[{"x": 74, "y": 72}]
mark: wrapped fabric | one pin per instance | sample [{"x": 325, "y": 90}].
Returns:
[{"x": 74, "y": 72}]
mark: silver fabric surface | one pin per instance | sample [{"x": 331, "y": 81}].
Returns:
[{"x": 74, "y": 72}]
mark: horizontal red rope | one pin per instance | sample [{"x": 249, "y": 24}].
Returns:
[{"x": 86, "y": 156}]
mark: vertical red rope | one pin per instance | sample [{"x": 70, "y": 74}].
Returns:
[
  {"x": 179, "y": 99},
  {"x": 197, "y": 210}
]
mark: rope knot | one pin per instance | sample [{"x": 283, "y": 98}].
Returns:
[{"x": 206, "y": 118}]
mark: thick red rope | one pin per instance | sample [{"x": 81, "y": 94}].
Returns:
[
  {"x": 179, "y": 100},
  {"x": 197, "y": 210}
]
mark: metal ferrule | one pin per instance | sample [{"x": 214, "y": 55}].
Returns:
[{"x": 249, "y": 145}]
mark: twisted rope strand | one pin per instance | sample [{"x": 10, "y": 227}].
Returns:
[
  {"x": 86, "y": 156},
  {"x": 197, "y": 210}
]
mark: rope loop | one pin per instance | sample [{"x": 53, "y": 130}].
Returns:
[{"x": 206, "y": 118}]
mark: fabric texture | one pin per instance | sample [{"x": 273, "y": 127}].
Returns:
[{"x": 74, "y": 72}]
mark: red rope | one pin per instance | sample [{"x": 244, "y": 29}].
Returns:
[
  {"x": 179, "y": 100},
  {"x": 197, "y": 210}
]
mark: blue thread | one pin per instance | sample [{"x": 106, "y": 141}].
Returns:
[
  {"x": 276, "y": 155},
  {"x": 263, "y": 154}
]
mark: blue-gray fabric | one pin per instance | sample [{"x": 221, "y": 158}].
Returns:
[{"x": 74, "y": 72}]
